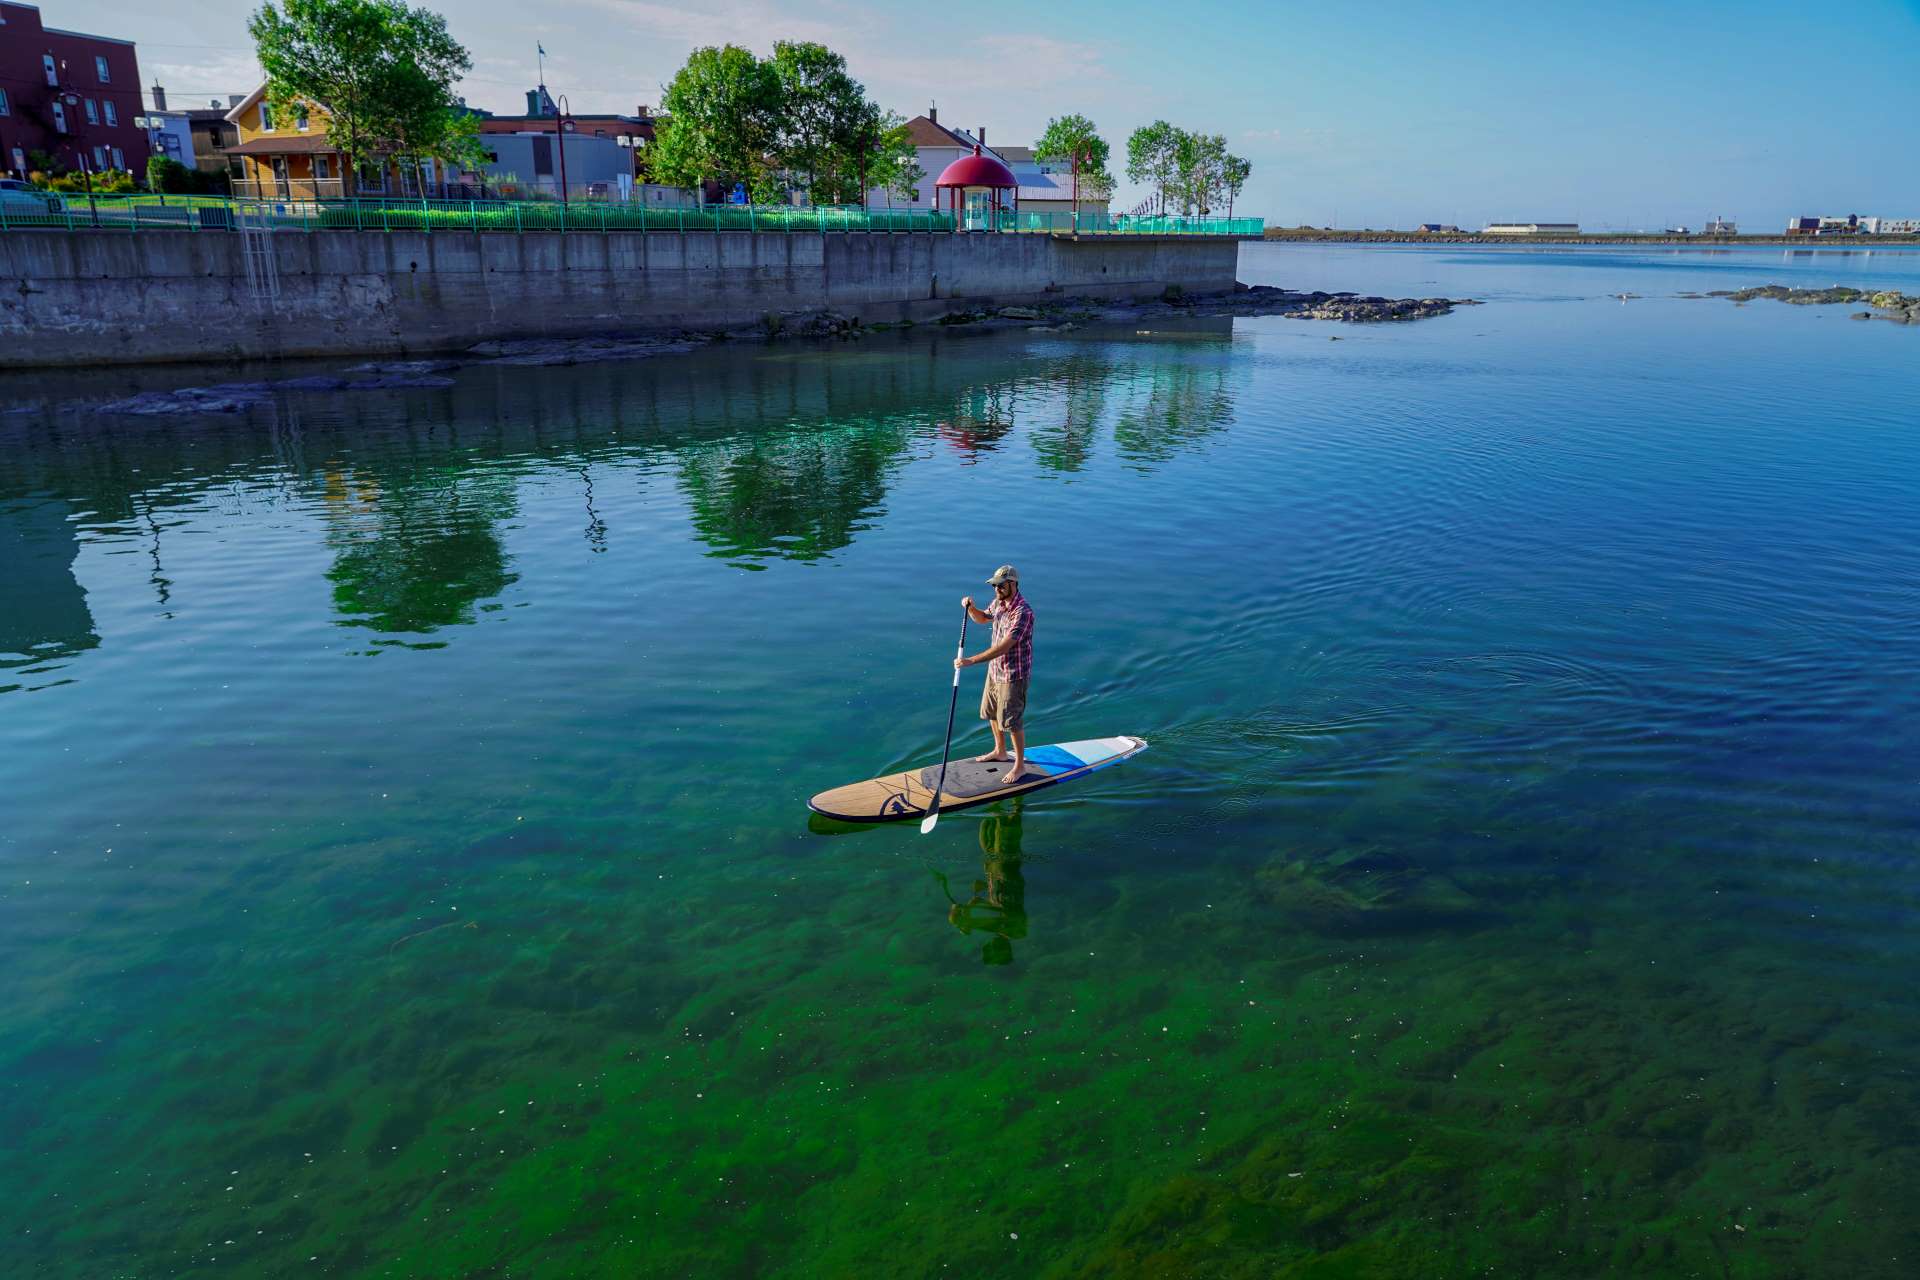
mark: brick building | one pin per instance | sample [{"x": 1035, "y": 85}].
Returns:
[{"x": 72, "y": 96}]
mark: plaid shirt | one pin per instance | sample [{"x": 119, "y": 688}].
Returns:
[{"x": 1012, "y": 617}]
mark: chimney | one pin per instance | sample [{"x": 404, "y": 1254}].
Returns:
[
  {"x": 234, "y": 100},
  {"x": 533, "y": 102},
  {"x": 645, "y": 112},
  {"x": 159, "y": 98},
  {"x": 933, "y": 113},
  {"x": 981, "y": 133}
]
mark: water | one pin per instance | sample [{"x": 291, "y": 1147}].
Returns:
[{"x": 404, "y": 868}]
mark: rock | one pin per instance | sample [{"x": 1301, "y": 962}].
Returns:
[
  {"x": 1020, "y": 313},
  {"x": 230, "y": 397},
  {"x": 566, "y": 351},
  {"x": 404, "y": 367}
]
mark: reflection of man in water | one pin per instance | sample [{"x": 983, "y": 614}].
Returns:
[
  {"x": 1003, "y": 703},
  {"x": 999, "y": 903}
]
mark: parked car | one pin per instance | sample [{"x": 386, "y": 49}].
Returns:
[{"x": 23, "y": 197}]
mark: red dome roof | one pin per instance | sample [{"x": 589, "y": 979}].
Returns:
[{"x": 976, "y": 170}]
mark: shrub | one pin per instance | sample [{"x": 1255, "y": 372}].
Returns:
[{"x": 167, "y": 174}]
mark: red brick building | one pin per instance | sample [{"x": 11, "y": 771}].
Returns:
[{"x": 73, "y": 96}]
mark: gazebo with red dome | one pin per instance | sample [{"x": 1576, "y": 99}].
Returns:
[{"x": 977, "y": 172}]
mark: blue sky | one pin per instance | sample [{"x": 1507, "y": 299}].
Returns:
[{"x": 1380, "y": 114}]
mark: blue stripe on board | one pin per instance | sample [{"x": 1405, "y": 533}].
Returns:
[{"x": 1052, "y": 760}]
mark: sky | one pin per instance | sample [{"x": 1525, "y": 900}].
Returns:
[{"x": 1620, "y": 116}]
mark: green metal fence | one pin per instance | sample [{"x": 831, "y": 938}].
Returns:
[{"x": 207, "y": 213}]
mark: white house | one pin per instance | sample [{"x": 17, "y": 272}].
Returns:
[{"x": 1041, "y": 189}]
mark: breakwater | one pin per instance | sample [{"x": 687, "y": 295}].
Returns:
[
  {"x": 98, "y": 298},
  {"x": 1288, "y": 235}
]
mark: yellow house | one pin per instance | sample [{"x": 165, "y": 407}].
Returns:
[{"x": 286, "y": 155}]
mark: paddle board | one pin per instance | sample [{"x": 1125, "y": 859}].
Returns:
[{"x": 970, "y": 782}]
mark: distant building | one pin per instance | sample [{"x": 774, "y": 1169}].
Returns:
[
  {"x": 1439, "y": 228},
  {"x": 542, "y": 119},
  {"x": 1531, "y": 229},
  {"x": 1899, "y": 226},
  {"x": 1677, "y": 231},
  {"x": 1803, "y": 226},
  {"x": 197, "y": 137},
  {"x": 71, "y": 96},
  {"x": 1718, "y": 227}
]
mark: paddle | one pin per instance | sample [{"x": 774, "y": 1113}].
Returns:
[{"x": 933, "y": 809}]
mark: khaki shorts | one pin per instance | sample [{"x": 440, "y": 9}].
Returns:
[{"x": 1004, "y": 702}]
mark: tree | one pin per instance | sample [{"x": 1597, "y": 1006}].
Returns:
[
  {"x": 168, "y": 175},
  {"x": 826, "y": 123},
  {"x": 383, "y": 73},
  {"x": 1238, "y": 170},
  {"x": 723, "y": 122},
  {"x": 894, "y": 162},
  {"x": 1150, "y": 156},
  {"x": 1073, "y": 141}
]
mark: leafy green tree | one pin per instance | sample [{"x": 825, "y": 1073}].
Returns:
[
  {"x": 1238, "y": 170},
  {"x": 827, "y": 125},
  {"x": 895, "y": 164},
  {"x": 723, "y": 121},
  {"x": 1150, "y": 157},
  {"x": 384, "y": 74},
  {"x": 168, "y": 175},
  {"x": 1075, "y": 142}
]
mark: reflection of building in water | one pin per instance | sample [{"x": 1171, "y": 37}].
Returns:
[
  {"x": 796, "y": 493},
  {"x": 998, "y": 907},
  {"x": 415, "y": 550},
  {"x": 981, "y": 418},
  {"x": 44, "y": 616}
]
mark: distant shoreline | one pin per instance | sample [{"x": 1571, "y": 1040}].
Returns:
[{"x": 1288, "y": 235}]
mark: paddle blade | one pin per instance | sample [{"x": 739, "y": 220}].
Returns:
[{"x": 926, "y": 823}]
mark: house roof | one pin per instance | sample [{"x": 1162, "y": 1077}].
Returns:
[
  {"x": 294, "y": 144},
  {"x": 1015, "y": 155},
  {"x": 240, "y": 107},
  {"x": 923, "y": 132}
]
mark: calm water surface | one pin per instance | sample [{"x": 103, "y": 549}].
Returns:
[{"x": 405, "y": 870}]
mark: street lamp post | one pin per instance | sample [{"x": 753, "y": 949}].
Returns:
[{"x": 560, "y": 127}]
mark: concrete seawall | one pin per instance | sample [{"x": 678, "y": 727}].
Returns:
[{"x": 104, "y": 298}]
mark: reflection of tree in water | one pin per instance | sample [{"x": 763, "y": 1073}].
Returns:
[
  {"x": 415, "y": 551},
  {"x": 44, "y": 618},
  {"x": 1066, "y": 443},
  {"x": 998, "y": 906},
  {"x": 1170, "y": 406},
  {"x": 797, "y": 493}
]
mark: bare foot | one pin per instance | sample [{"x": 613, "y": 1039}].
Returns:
[
  {"x": 990, "y": 757},
  {"x": 1016, "y": 773}
]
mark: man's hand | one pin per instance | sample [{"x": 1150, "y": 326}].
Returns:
[
  {"x": 966, "y": 602},
  {"x": 964, "y": 662}
]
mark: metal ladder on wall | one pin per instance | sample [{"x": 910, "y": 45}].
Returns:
[{"x": 256, "y": 254}]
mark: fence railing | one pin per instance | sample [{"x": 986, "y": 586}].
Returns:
[{"x": 295, "y": 213}]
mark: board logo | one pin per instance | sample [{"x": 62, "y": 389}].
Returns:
[{"x": 896, "y": 804}]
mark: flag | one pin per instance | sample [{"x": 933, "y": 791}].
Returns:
[{"x": 542, "y": 48}]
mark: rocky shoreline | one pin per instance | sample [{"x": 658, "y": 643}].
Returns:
[
  {"x": 1887, "y": 304},
  {"x": 1060, "y": 317}
]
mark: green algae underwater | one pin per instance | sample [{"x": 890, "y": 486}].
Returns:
[{"x": 405, "y": 868}]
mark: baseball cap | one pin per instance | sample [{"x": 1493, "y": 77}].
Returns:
[{"x": 1003, "y": 574}]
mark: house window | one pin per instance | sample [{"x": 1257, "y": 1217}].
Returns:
[
  {"x": 119, "y": 158},
  {"x": 93, "y": 112},
  {"x": 100, "y": 65},
  {"x": 300, "y": 120},
  {"x": 5, "y": 110},
  {"x": 113, "y": 117},
  {"x": 266, "y": 118},
  {"x": 320, "y": 168},
  {"x": 53, "y": 72},
  {"x": 99, "y": 158},
  {"x": 59, "y": 116}
]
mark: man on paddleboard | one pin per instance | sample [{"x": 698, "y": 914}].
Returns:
[{"x": 1003, "y": 703}]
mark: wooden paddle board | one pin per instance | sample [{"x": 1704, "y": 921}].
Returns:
[{"x": 969, "y": 782}]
